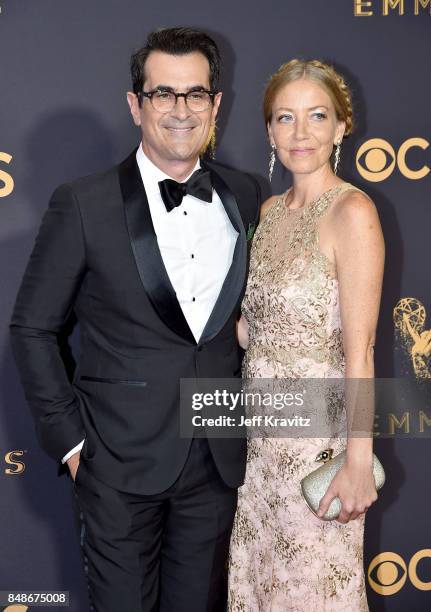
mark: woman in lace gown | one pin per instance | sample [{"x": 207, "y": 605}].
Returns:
[{"x": 310, "y": 311}]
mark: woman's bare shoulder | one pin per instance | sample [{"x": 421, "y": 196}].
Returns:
[
  {"x": 354, "y": 216},
  {"x": 354, "y": 204}
]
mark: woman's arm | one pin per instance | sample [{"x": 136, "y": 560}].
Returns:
[{"x": 359, "y": 255}]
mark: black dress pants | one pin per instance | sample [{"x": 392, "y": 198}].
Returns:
[{"x": 157, "y": 553}]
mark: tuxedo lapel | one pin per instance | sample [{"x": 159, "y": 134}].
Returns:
[
  {"x": 235, "y": 278},
  {"x": 146, "y": 251}
]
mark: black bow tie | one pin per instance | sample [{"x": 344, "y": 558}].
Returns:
[{"x": 199, "y": 185}]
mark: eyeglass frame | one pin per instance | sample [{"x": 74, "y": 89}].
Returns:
[{"x": 150, "y": 94}]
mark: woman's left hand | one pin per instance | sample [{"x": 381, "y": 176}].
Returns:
[{"x": 355, "y": 487}]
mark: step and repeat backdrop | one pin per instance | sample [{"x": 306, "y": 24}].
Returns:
[{"x": 64, "y": 73}]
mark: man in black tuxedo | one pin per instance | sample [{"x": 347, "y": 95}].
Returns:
[{"x": 151, "y": 256}]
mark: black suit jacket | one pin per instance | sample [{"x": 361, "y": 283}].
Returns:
[{"x": 96, "y": 253}]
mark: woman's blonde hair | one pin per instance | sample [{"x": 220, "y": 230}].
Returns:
[{"x": 323, "y": 74}]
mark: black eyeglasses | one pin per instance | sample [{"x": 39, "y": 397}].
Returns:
[{"x": 164, "y": 101}]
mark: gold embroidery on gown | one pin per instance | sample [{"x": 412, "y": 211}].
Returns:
[{"x": 282, "y": 557}]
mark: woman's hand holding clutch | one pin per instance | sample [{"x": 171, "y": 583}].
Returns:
[{"x": 354, "y": 485}]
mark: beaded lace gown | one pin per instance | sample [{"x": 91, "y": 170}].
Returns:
[{"x": 283, "y": 557}]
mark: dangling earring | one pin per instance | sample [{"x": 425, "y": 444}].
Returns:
[
  {"x": 337, "y": 156},
  {"x": 271, "y": 161}
]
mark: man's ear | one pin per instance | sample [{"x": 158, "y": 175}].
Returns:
[
  {"x": 216, "y": 105},
  {"x": 132, "y": 101}
]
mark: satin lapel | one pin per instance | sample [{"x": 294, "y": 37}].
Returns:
[
  {"x": 235, "y": 278},
  {"x": 146, "y": 251}
]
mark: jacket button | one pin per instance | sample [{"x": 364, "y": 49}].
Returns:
[{"x": 200, "y": 347}]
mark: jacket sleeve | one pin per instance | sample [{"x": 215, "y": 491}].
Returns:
[{"x": 45, "y": 299}]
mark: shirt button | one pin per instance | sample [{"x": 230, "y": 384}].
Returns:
[
  {"x": 194, "y": 299},
  {"x": 185, "y": 212},
  {"x": 193, "y": 256}
]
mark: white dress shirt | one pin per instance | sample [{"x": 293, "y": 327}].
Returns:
[{"x": 196, "y": 241}]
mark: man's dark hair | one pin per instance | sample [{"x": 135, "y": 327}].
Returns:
[{"x": 176, "y": 41}]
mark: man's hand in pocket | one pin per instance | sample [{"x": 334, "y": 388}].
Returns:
[{"x": 73, "y": 463}]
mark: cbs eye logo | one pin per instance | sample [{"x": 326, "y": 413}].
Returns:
[
  {"x": 379, "y": 159},
  {"x": 390, "y": 572}
]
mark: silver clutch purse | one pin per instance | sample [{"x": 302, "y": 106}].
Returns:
[{"x": 315, "y": 484}]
